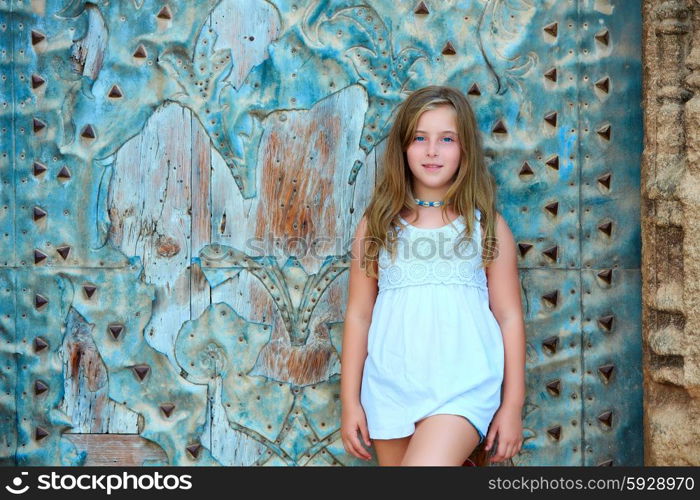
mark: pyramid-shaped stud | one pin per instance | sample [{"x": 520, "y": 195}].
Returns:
[
  {"x": 37, "y": 36},
  {"x": 607, "y": 463},
  {"x": 449, "y": 49},
  {"x": 552, "y": 297},
  {"x": 194, "y": 449},
  {"x": 604, "y": 180},
  {"x": 603, "y": 37},
  {"x": 140, "y": 52},
  {"x": 606, "y": 322},
  {"x": 40, "y": 387},
  {"x": 37, "y": 81},
  {"x": 554, "y": 387},
  {"x": 88, "y": 132},
  {"x": 551, "y": 74},
  {"x": 553, "y": 162},
  {"x": 38, "y": 125},
  {"x": 63, "y": 251},
  {"x": 606, "y": 275},
  {"x": 165, "y": 13},
  {"x": 552, "y": 252},
  {"x": 606, "y": 371},
  {"x": 38, "y": 213},
  {"x": 526, "y": 169},
  {"x": 553, "y": 208},
  {"x": 115, "y": 329},
  {"x": 606, "y": 418},
  {"x": 40, "y": 433},
  {"x": 474, "y": 90},
  {"x": 40, "y": 301},
  {"x": 555, "y": 432},
  {"x": 115, "y": 92},
  {"x": 64, "y": 173},
  {"x": 40, "y": 344},
  {"x": 141, "y": 371},
  {"x": 603, "y": 84},
  {"x": 39, "y": 256},
  {"x": 421, "y": 9},
  {"x": 499, "y": 128},
  {"x": 524, "y": 248},
  {"x": 551, "y": 29},
  {"x": 606, "y": 228},
  {"x": 604, "y": 132},
  {"x": 550, "y": 344},
  {"x": 167, "y": 409},
  {"x": 89, "y": 289},
  {"x": 38, "y": 168},
  {"x": 551, "y": 118}
]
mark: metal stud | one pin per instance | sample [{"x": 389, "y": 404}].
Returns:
[
  {"x": 555, "y": 432},
  {"x": 604, "y": 132},
  {"x": 39, "y": 168},
  {"x": 606, "y": 228},
  {"x": 40, "y": 433},
  {"x": 193, "y": 449},
  {"x": 552, "y": 252},
  {"x": 551, "y": 118},
  {"x": 115, "y": 329},
  {"x": 607, "y": 463},
  {"x": 553, "y": 162},
  {"x": 551, "y": 29},
  {"x": 140, "y": 52},
  {"x": 551, "y": 344},
  {"x": 165, "y": 13},
  {"x": 63, "y": 251},
  {"x": 524, "y": 248},
  {"x": 474, "y": 90},
  {"x": 606, "y": 418},
  {"x": 38, "y": 125},
  {"x": 605, "y": 180},
  {"x": 551, "y": 74},
  {"x": 141, "y": 371},
  {"x": 88, "y": 132},
  {"x": 554, "y": 387},
  {"x": 89, "y": 289},
  {"x": 40, "y": 387},
  {"x": 606, "y": 322},
  {"x": 552, "y": 297},
  {"x": 64, "y": 173},
  {"x": 603, "y": 84},
  {"x": 39, "y": 256},
  {"x": 526, "y": 169},
  {"x": 39, "y": 213},
  {"x": 421, "y": 9},
  {"x": 603, "y": 37},
  {"x": 37, "y": 81},
  {"x": 553, "y": 208},
  {"x": 606, "y": 275},
  {"x": 606, "y": 371},
  {"x": 449, "y": 49},
  {"x": 40, "y": 300},
  {"x": 37, "y": 36},
  {"x": 40, "y": 344},
  {"x": 167, "y": 409},
  {"x": 115, "y": 92},
  {"x": 499, "y": 128}
]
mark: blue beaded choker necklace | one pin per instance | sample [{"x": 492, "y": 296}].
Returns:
[{"x": 424, "y": 203}]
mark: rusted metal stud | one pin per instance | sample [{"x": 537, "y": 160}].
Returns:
[
  {"x": 167, "y": 409},
  {"x": 141, "y": 371},
  {"x": 115, "y": 92},
  {"x": 554, "y": 387},
  {"x": 89, "y": 289},
  {"x": 553, "y": 208},
  {"x": 38, "y": 168},
  {"x": 194, "y": 449},
  {"x": 448, "y": 49},
  {"x": 39, "y": 213},
  {"x": 40, "y": 433},
  {"x": 165, "y": 13},
  {"x": 40, "y": 387},
  {"x": 606, "y": 275},
  {"x": 555, "y": 432},
  {"x": 605, "y": 180},
  {"x": 551, "y": 74},
  {"x": 603, "y": 37},
  {"x": 88, "y": 132},
  {"x": 474, "y": 90},
  {"x": 606, "y": 371},
  {"x": 40, "y": 344},
  {"x": 552, "y": 252},
  {"x": 551, "y": 118},
  {"x": 64, "y": 173},
  {"x": 40, "y": 301},
  {"x": 524, "y": 248},
  {"x": 607, "y": 463},
  {"x": 553, "y": 162},
  {"x": 603, "y": 84},
  {"x": 115, "y": 329},
  {"x": 606, "y": 322},
  {"x": 551, "y": 344},
  {"x": 38, "y": 125},
  {"x": 499, "y": 128},
  {"x": 421, "y": 9},
  {"x": 552, "y": 297},
  {"x": 606, "y": 418},
  {"x": 606, "y": 228},
  {"x": 140, "y": 52},
  {"x": 604, "y": 132},
  {"x": 39, "y": 256},
  {"x": 37, "y": 81},
  {"x": 37, "y": 36},
  {"x": 526, "y": 169},
  {"x": 63, "y": 251},
  {"x": 551, "y": 29}
]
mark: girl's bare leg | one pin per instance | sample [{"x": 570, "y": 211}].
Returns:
[
  {"x": 442, "y": 440},
  {"x": 390, "y": 451}
]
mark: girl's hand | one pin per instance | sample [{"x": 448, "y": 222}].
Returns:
[
  {"x": 507, "y": 425},
  {"x": 353, "y": 418}
]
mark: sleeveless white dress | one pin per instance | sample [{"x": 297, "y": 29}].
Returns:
[{"x": 433, "y": 345}]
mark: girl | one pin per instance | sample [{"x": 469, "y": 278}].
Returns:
[{"x": 433, "y": 356}]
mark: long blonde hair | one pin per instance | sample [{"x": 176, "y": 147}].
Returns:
[{"x": 473, "y": 187}]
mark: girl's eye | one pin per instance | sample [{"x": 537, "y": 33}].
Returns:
[
  {"x": 418, "y": 137},
  {"x": 448, "y": 139}
]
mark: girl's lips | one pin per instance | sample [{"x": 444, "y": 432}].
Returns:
[{"x": 432, "y": 167}]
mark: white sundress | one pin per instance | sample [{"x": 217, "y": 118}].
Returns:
[{"x": 433, "y": 345}]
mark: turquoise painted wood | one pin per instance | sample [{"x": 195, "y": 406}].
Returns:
[{"x": 179, "y": 183}]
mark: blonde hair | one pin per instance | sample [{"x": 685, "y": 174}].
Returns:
[{"x": 473, "y": 186}]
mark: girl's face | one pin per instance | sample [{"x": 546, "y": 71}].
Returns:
[{"x": 434, "y": 152}]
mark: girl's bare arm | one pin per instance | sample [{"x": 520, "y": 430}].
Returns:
[
  {"x": 505, "y": 303},
  {"x": 362, "y": 293}
]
